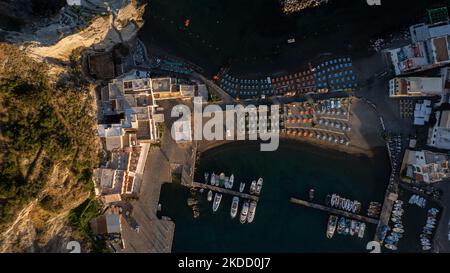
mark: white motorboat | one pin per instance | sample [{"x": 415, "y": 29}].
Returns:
[
  {"x": 234, "y": 207},
  {"x": 241, "y": 187},
  {"x": 259, "y": 186},
  {"x": 251, "y": 211},
  {"x": 206, "y": 177},
  {"x": 227, "y": 183},
  {"x": 231, "y": 181},
  {"x": 244, "y": 212},
  {"x": 391, "y": 247},
  {"x": 209, "y": 196},
  {"x": 217, "y": 199},
  {"x": 213, "y": 179},
  {"x": 253, "y": 187},
  {"x": 331, "y": 227},
  {"x": 362, "y": 228}
]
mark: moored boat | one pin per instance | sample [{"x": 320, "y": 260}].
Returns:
[
  {"x": 347, "y": 227},
  {"x": 251, "y": 211},
  {"x": 213, "y": 179},
  {"x": 391, "y": 247},
  {"x": 209, "y": 196},
  {"x": 206, "y": 177},
  {"x": 217, "y": 199},
  {"x": 253, "y": 187},
  {"x": 231, "y": 181},
  {"x": 241, "y": 187},
  {"x": 398, "y": 230},
  {"x": 259, "y": 186},
  {"x": 331, "y": 227},
  {"x": 352, "y": 227},
  {"x": 341, "y": 225},
  {"x": 234, "y": 206},
  {"x": 244, "y": 212},
  {"x": 362, "y": 228},
  {"x": 221, "y": 179}
]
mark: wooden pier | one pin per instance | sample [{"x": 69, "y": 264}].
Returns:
[
  {"x": 225, "y": 191},
  {"x": 335, "y": 211}
]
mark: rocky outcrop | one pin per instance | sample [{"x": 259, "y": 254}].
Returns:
[{"x": 102, "y": 26}]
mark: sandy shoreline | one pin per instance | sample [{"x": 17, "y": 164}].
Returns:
[{"x": 365, "y": 137}]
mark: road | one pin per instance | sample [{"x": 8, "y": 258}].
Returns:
[{"x": 155, "y": 235}]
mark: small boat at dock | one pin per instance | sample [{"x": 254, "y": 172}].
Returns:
[
  {"x": 221, "y": 179},
  {"x": 251, "y": 211},
  {"x": 341, "y": 225},
  {"x": 241, "y": 187},
  {"x": 259, "y": 186},
  {"x": 352, "y": 227},
  {"x": 331, "y": 227},
  {"x": 234, "y": 207},
  {"x": 244, "y": 212},
  {"x": 391, "y": 247},
  {"x": 217, "y": 199},
  {"x": 206, "y": 177},
  {"x": 362, "y": 229},
  {"x": 213, "y": 179},
  {"x": 209, "y": 198},
  {"x": 253, "y": 187},
  {"x": 231, "y": 181}
]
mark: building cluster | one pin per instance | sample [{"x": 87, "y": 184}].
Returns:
[
  {"x": 429, "y": 52},
  {"x": 429, "y": 48},
  {"x": 129, "y": 123},
  {"x": 425, "y": 166}
]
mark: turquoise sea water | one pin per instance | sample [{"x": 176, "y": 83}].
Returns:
[{"x": 279, "y": 226}]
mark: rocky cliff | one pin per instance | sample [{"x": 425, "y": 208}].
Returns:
[{"x": 47, "y": 175}]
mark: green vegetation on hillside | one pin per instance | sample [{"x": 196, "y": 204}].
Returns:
[{"x": 43, "y": 128}]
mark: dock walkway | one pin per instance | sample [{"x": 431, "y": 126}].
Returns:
[
  {"x": 225, "y": 191},
  {"x": 335, "y": 211}
]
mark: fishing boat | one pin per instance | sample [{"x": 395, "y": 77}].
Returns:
[
  {"x": 259, "y": 186},
  {"x": 213, "y": 179},
  {"x": 231, "y": 181},
  {"x": 331, "y": 227},
  {"x": 253, "y": 187},
  {"x": 341, "y": 225},
  {"x": 352, "y": 227},
  {"x": 362, "y": 228},
  {"x": 206, "y": 177},
  {"x": 217, "y": 199},
  {"x": 251, "y": 211},
  {"x": 244, "y": 212},
  {"x": 234, "y": 207},
  {"x": 209, "y": 196},
  {"x": 241, "y": 187}
]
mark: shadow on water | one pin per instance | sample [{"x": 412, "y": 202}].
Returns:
[{"x": 279, "y": 226}]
